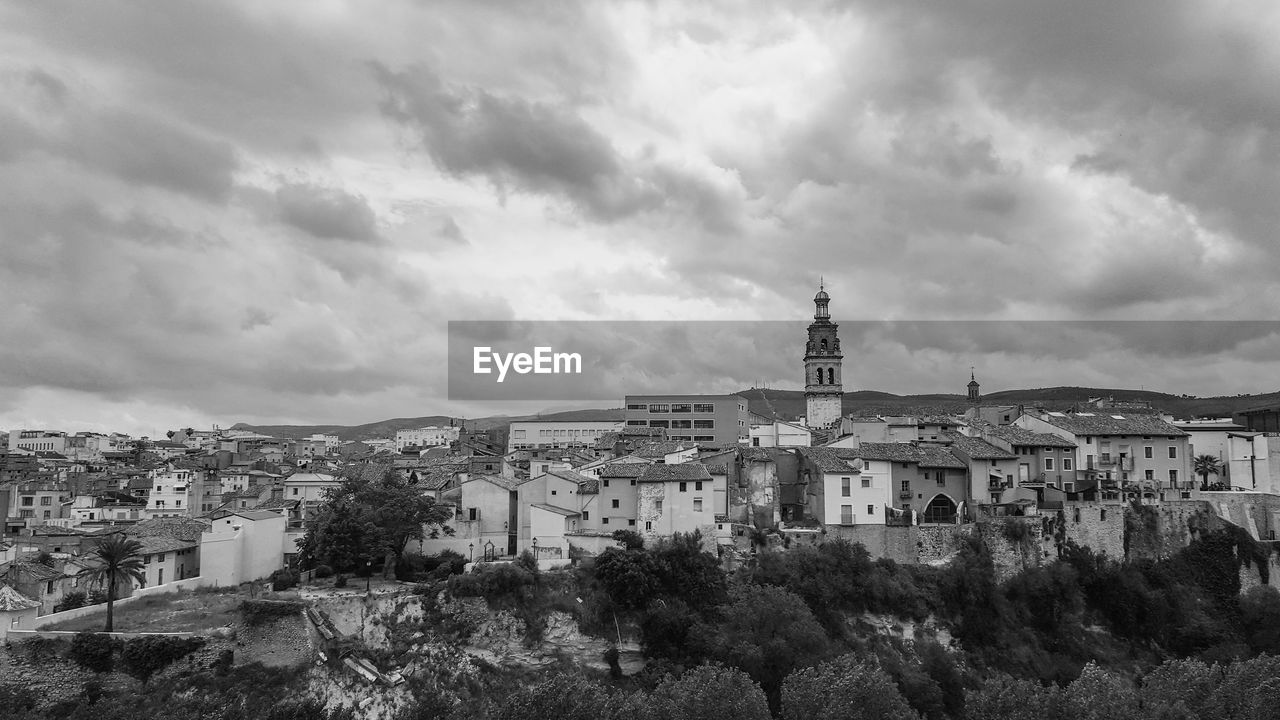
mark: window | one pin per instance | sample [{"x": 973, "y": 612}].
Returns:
[
  {"x": 637, "y": 406},
  {"x": 1066, "y": 463},
  {"x": 633, "y": 482},
  {"x": 1149, "y": 474},
  {"x": 604, "y": 521},
  {"x": 906, "y": 486},
  {"x": 295, "y": 491},
  {"x": 659, "y": 408},
  {"x": 866, "y": 481},
  {"x": 49, "y": 588},
  {"x": 846, "y": 514},
  {"x": 1173, "y": 475},
  {"x": 28, "y": 500},
  {"x": 553, "y": 492},
  {"x": 1076, "y": 514},
  {"x": 46, "y": 514},
  {"x": 146, "y": 559},
  {"x": 704, "y": 408},
  {"x": 684, "y": 487},
  {"x": 697, "y": 485},
  {"x": 704, "y": 438},
  {"x": 1148, "y": 452},
  {"x": 473, "y": 514},
  {"x": 681, "y": 407},
  {"x": 1102, "y": 514},
  {"x": 605, "y": 483},
  {"x": 871, "y": 509},
  {"x": 845, "y": 490},
  {"x": 681, "y": 424},
  {"x": 586, "y": 515},
  {"x": 46, "y": 500},
  {"x": 160, "y": 558},
  {"x": 660, "y": 423},
  {"x": 648, "y": 525},
  {"x": 1173, "y": 452},
  {"x": 637, "y": 422},
  {"x": 697, "y": 504},
  {"x": 615, "y": 503},
  {"x": 657, "y": 505},
  {"x": 631, "y": 523},
  {"x": 1048, "y": 463},
  {"x": 704, "y": 424}
]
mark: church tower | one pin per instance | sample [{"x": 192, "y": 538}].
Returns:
[
  {"x": 975, "y": 397},
  {"x": 822, "y": 382}
]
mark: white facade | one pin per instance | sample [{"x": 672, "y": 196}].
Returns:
[
  {"x": 242, "y": 548},
  {"x": 171, "y": 493},
  {"x": 857, "y": 497},
  {"x": 37, "y": 441},
  {"x": 780, "y": 434},
  {"x": 426, "y": 437},
  {"x": 555, "y": 434},
  {"x": 308, "y": 487}
]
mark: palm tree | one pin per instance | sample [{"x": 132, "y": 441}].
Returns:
[
  {"x": 1204, "y": 465},
  {"x": 121, "y": 560}
]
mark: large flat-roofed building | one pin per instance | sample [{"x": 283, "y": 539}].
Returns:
[
  {"x": 558, "y": 434},
  {"x": 708, "y": 419}
]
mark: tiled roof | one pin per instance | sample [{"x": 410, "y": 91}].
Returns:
[
  {"x": 829, "y": 459},
  {"x": 12, "y": 601},
  {"x": 924, "y": 456},
  {"x": 586, "y": 485},
  {"x": 554, "y": 509},
  {"x": 656, "y": 450},
  {"x": 623, "y": 470},
  {"x": 667, "y": 473},
  {"x": 499, "y": 480},
  {"x": 153, "y": 545},
  {"x": 38, "y": 571},
  {"x": 977, "y": 448},
  {"x": 188, "y": 529},
  {"x": 1015, "y": 435},
  {"x": 1106, "y": 423}
]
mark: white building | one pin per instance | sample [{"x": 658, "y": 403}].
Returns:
[
  {"x": 426, "y": 437},
  {"x": 844, "y": 489},
  {"x": 173, "y": 493},
  {"x": 557, "y": 434},
  {"x": 780, "y": 434},
  {"x": 38, "y": 441},
  {"x": 243, "y": 546}
]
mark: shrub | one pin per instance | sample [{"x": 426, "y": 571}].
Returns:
[
  {"x": 71, "y": 601},
  {"x": 97, "y": 596},
  {"x": 283, "y": 580},
  {"x": 93, "y": 652},
  {"x": 258, "y": 612},
  {"x": 341, "y": 582},
  {"x": 630, "y": 539},
  {"x": 323, "y": 571},
  {"x": 847, "y": 688},
  {"x": 145, "y": 656},
  {"x": 39, "y": 649}
]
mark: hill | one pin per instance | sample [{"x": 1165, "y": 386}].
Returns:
[
  {"x": 388, "y": 428},
  {"x": 789, "y": 404}
]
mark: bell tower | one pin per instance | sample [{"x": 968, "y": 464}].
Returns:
[
  {"x": 823, "y": 389},
  {"x": 975, "y": 397}
]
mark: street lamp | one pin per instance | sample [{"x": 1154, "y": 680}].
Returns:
[
  {"x": 535, "y": 548},
  {"x": 471, "y": 550},
  {"x": 368, "y": 574}
]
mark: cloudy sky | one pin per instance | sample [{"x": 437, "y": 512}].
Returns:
[{"x": 249, "y": 211}]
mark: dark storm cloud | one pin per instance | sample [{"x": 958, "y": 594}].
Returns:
[
  {"x": 327, "y": 212},
  {"x": 538, "y": 147}
]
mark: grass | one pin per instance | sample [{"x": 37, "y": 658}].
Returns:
[{"x": 173, "y": 612}]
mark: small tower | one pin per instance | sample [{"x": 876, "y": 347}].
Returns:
[
  {"x": 975, "y": 397},
  {"x": 823, "y": 389}
]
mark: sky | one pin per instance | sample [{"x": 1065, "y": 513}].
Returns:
[{"x": 269, "y": 212}]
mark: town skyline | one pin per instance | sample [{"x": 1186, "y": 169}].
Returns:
[{"x": 289, "y": 227}]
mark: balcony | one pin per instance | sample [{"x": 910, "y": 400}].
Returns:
[
  {"x": 905, "y": 494},
  {"x": 994, "y": 484},
  {"x": 1118, "y": 463}
]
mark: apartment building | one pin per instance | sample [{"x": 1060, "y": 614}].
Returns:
[
  {"x": 719, "y": 420},
  {"x": 558, "y": 434}
]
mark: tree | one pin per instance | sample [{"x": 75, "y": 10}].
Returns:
[
  {"x": 1260, "y": 613},
  {"x": 372, "y": 514},
  {"x": 1205, "y": 465},
  {"x": 707, "y": 692},
  {"x": 766, "y": 632},
  {"x": 120, "y": 563},
  {"x": 564, "y": 697},
  {"x": 1005, "y": 698},
  {"x": 847, "y": 688},
  {"x": 1099, "y": 695}
]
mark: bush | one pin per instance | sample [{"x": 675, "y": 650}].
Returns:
[
  {"x": 93, "y": 651},
  {"x": 71, "y": 601},
  {"x": 323, "y": 571},
  {"x": 341, "y": 582},
  {"x": 97, "y": 596},
  {"x": 283, "y": 580},
  {"x": 258, "y": 612},
  {"x": 145, "y": 656}
]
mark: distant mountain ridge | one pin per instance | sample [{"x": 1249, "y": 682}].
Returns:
[{"x": 789, "y": 404}]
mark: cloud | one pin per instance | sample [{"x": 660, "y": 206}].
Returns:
[{"x": 327, "y": 213}]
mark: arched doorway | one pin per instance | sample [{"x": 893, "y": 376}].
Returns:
[{"x": 941, "y": 509}]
